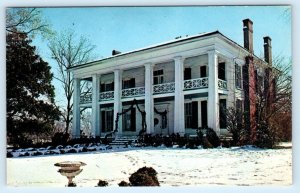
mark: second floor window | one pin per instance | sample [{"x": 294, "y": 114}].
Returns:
[
  {"x": 158, "y": 76},
  {"x": 129, "y": 83},
  {"x": 107, "y": 87}
]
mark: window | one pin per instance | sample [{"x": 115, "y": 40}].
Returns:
[
  {"x": 129, "y": 83},
  {"x": 221, "y": 71},
  {"x": 191, "y": 115},
  {"x": 238, "y": 76},
  {"x": 158, "y": 77},
  {"x": 188, "y": 115},
  {"x": 107, "y": 87},
  {"x": 107, "y": 118},
  {"x": 203, "y": 71}
]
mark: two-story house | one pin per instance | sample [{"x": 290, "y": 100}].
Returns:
[{"x": 181, "y": 85}]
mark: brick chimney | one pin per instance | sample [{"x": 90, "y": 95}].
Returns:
[
  {"x": 268, "y": 50},
  {"x": 248, "y": 34},
  {"x": 115, "y": 52}
]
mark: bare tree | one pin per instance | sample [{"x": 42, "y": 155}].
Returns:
[
  {"x": 68, "y": 50},
  {"x": 273, "y": 103},
  {"x": 27, "y": 20}
]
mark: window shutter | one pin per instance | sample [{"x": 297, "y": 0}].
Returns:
[
  {"x": 102, "y": 88},
  {"x": 112, "y": 86},
  {"x": 203, "y": 71},
  {"x": 187, "y": 73},
  {"x": 222, "y": 113},
  {"x": 133, "y": 119},
  {"x": 204, "y": 113},
  {"x": 103, "y": 121},
  {"x": 221, "y": 71},
  {"x": 195, "y": 114},
  {"x": 132, "y": 83}
]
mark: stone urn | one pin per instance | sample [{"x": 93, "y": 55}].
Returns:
[{"x": 70, "y": 169}]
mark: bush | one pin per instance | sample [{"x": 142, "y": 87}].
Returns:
[
  {"x": 9, "y": 154},
  {"x": 102, "y": 183},
  {"x": 145, "y": 176},
  {"x": 123, "y": 184},
  {"x": 140, "y": 179},
  {"x": 206, "y": 143},
  {"x": 266, "y": 137},
  {"x": 37, "y": 153},
  {"x": 72, "y": 151},
  {"x": 212, "y": 137}
]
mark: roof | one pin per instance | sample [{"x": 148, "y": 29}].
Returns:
[{"x": 161, "y": 45}]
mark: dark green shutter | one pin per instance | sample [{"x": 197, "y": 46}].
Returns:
[
  {"x": 187, "y": 73},
  {"x": 133, "y": 120},
  {"x": 132, "y": 83},
  {"x": 103, "y": 121},
  {"x": 204, "y": 113},
  {"x": 194, "y": 114}
]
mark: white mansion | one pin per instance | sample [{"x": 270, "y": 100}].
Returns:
[{"x": 181, "y": 85}]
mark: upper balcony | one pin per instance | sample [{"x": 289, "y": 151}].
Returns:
[{"x": 158, "y": 89}]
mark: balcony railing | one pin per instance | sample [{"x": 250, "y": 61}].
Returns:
[
  {"x": 132, "y": 92},
  {"x": 195, "y": 83},
  {"x": 191, "y": 84},
  {"x": 164, "y": 88},
  {"x": 86, "y": 98},
  {"x": 222, "y": 84},
  {"x": 108, "y": 95}
]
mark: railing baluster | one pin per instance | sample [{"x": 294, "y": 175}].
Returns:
[{"x": 196, "y": 83}]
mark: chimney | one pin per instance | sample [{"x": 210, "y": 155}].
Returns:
[
  {"x": 248, "y": 34},
  {"x": 115, "y": 52},
  {"x": 268, "y": 50}
]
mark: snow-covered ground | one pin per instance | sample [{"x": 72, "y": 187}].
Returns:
[{"x": 175, "y": 167}]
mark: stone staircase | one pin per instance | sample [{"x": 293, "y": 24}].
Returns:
[{"x": 122, "y": 141}]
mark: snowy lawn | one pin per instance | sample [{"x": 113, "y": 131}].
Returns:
[{"x": 176, "y": 167}]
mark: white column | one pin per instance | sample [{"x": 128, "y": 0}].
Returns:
[
  {"x": 230, "y": 76},
  {"x": 213, "y": 96},
  {"x": 76, "y": 109},
  {"x": 95, "y": 106},
  {"x": 149, "y": 103},
  {"x": 117, "y": 99},
  {"x": 179, "y": 126}
]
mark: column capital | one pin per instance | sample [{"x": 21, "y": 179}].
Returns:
[
  {"x": 96, "y": 75},
  {"x": 214, "y": 51},
  {"x": 149, "y": 64},
  {"x": 116, "y": 70},
  {"x": 178, "y": 58}
]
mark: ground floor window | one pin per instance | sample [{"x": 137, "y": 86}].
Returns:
[
  {"x": 191, "y": 115},
  {"x": 107, "y": 118}
]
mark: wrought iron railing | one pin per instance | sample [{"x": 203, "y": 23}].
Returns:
[
  {"x": 164, "y": 88},
  {"x": 132, "y": 92},
  {"x": 222, "y": 84},
  {"x": 108, "y": 95},
  {"x": 86, "y": 98},
  {"x": 195, "y": 83}
]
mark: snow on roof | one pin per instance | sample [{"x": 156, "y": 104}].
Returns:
[{"x": 176, "y": 40}]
